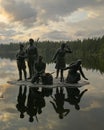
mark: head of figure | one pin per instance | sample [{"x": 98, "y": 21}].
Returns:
[
  {"x": 31, "y": 41},
  {"x": 39, "y": 111},
  {"x": 79, "y": 62},
  {"x": 61, "y": 116},
  {"x": 63, "y": 45},
  {"x": 77, "y": 107},
  {"x": 21, "y": 115},
  {"x": 31, "y": 119},
  {"x": 40, "y": 58},
  {"x": 21, "y": 46}
]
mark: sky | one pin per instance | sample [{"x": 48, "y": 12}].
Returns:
[{"x": 53, "y": 20}]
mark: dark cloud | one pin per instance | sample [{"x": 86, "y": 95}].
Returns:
[
  {"x": 32, "y": 14},
  {"x": 20, "y": 11},
  {"x": 54, "y": 9}
]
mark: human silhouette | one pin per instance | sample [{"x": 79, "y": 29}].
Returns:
[
  {"x": 32, "y": 56},
  {"x": 59, "y": 58},
  {"x": 58, "y": 103},
  {"x": 20, "y": 57},
  {"x": 31, "y": 109},
  {"x": 75, "y": 70},
  {"x": 21, "y": 98},
  {"x": 40, "y": 67},
  {"x": 39, "y": 100},
  {"x": 74, "y": 96},
  {"x": 47, "y": 92}
]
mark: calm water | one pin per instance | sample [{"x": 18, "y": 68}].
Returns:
[{"x": 90, "y": 116}]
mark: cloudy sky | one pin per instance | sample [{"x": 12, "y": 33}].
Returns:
[{"x": 50, "y": 19}]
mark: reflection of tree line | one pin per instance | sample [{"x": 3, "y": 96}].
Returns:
[
  {"x": 34, "y": 103},
  {"x": 90, "y": 50}
]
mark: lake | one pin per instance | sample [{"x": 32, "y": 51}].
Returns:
[{"x": 84, "y": 112}]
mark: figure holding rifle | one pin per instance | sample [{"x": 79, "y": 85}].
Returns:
[{"x": 32, "y": 57}]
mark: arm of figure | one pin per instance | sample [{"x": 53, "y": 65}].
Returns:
[
  {"x": 23, "y": 55},
  {"x": 66, "y": 111},
  {"x": 81, "y": 94},
  {"x": 66, "y": 99},
  {"x": 53, "y": 98},
  {"x": 80, "y": 69},
  {"x": 69, "y": 67},
  {"x": 68, "y": 50},
  {"x": 17, "y": 55},
  {"x": 54, "y": 57},
  {"x": 54, "y": 106}
]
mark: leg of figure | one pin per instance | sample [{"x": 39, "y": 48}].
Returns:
[
  {"x": 20, "y": 75},
  {"x": 61, "y": 90},
  {"x": 61, "y": 77},
  {"x": 57, "y": 73},
  {"x": 57, "y": 90},
  {"x": 34, "y": 78},
  {"x": 32, "y": 67},
  {"x": 25, "y": 90},
  {"x": 25, "y": 74},
  {"x": 29, "y": 67}
]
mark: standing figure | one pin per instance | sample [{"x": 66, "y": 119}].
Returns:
[
  {"x": 20, "y": 56},
  {"x": 32, "y": 56},
  {"x": 40, "y": 67},
  {"x": 59, "y": 58},
  {"x": 73, "y": 74}
]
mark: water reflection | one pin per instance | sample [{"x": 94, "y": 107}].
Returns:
[
  {"x": 34, "y": 103},
  {"x": 74, "y": 96},
  {"x": 32, "y": 100},
  {"x": 58, "y": 103},
  {"x": 91, "y": 104},
  {"x": 21, "y": 99}
]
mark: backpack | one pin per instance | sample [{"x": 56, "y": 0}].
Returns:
[{"x": 47, "y": 79}]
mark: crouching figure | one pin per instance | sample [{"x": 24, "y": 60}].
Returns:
[
  {"x": 40, "y": 68},
  {"x": 75, "y": 72}
]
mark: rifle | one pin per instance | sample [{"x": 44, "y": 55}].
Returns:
[{"x": 37, "y": 41}]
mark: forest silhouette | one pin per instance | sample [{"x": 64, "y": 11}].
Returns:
[{"x": 90, "y": 50}]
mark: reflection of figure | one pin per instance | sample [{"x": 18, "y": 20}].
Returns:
[
  {"x": 31, "y": 109},
  {"x": 47, "y": 92},
  {"x": 74, "y": 96},
  {"x": 59, "y": 103},
  {"x": 40, "y": 67},
  {"x": 35, "y": 103},
  {"x": 20, "y": 56},
  {"x": 73, "y": 75},
  {"x": 39, "y": 100},
  {"x": 21, "y": 101},
  {"x": 59, "y": 57},
  {"x": 32, "y": 55}
]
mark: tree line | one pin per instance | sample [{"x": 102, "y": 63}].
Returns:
[{"x": 90, "y": 50}]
